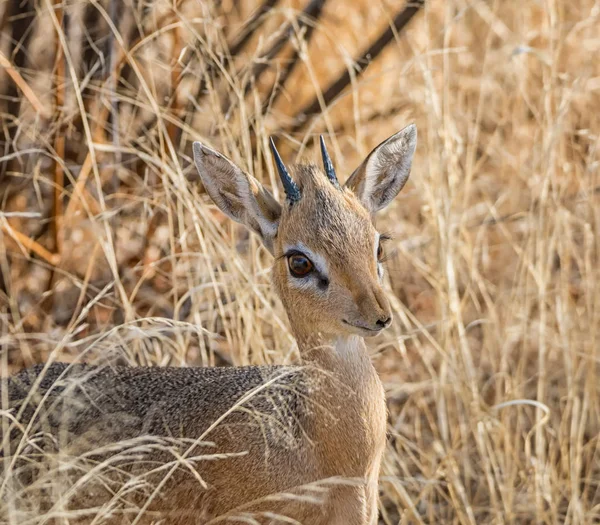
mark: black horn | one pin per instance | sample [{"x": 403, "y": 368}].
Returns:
[
  {"x": 292, "y": 192},
  {"x": 327, "y": 164}
]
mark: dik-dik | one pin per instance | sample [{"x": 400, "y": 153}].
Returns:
[{"x": 287, "y": 444}]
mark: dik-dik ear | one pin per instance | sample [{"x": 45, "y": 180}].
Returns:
[
  {"x": 238, "y": 194},
  {"x": 385, "y": 170}
]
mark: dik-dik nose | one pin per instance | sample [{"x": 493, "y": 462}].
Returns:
[
  {"x": 384, "y": 322},
  {"x": 384, "y": 319},
  {"x": 374, "y": 308}
]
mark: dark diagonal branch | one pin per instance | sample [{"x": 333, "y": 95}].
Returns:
[
  {"x": 310, "y": 12},
  {"x": 251, "y": 26},
  {"x": 278, "y": 87},
  {"x": 398, "y": 24}
]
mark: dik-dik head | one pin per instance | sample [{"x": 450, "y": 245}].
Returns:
[{"x": 328, "y": 254}]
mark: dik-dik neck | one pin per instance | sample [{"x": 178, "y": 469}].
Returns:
[
  {"x": 322, "y": 350},
  {"x": 351, "y": 403},
  {"x": 345, "y": 358}
]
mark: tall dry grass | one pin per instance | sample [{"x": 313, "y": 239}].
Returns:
[{"x": 109, "y": 250}]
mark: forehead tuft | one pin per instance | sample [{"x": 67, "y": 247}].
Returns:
[{"x": 326, "y": 218}]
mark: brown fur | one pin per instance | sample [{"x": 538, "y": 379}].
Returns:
[{"x": 310, "y": 437}]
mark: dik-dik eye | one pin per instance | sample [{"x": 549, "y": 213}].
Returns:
[
  {"x": 380, "y": 252},
  {"x": 300, "y": 265}
]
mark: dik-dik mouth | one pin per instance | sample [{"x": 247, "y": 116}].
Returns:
[{"x": 364, "y": 329}]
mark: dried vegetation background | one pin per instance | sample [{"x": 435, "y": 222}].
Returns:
[{"x": 110, "y": 250}]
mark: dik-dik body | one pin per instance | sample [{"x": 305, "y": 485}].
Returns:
[{"x": 303, "y": 443}]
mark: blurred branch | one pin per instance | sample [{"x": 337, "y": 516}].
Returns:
[
  {"x": 19, "y": 16},
  {"x": 59, "y": 138},
  {"x": 278, "y": 87},
  {"x": 173, "y": 130},
  {"x": 113, "y": 75},
  {"x": 251, "y": 26},
  {"x": 28, "y": 93},
  {"x": 311, "y": 12},
  {"x": 320, "y": 103},
  {"x": 30, "y": 244}
]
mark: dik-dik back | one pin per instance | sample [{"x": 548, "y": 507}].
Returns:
[
  {"x": 238, "y": 427},
  {"x": 296, "y": 444},
  {"x": 233, "y": 440}
]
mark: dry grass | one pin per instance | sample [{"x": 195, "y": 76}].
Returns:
[{"x": 109, "y": 249}]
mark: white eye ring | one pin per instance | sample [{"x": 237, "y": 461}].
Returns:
[{"x": 319, "y": 262}]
